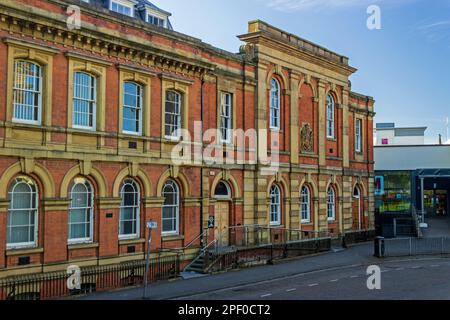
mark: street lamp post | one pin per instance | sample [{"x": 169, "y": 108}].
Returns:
[{"x": 150, "y": 226}]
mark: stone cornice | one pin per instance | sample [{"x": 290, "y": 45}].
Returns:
[
  {"x": 89, "y": 58},
  {"x": 29, "y": 44}
]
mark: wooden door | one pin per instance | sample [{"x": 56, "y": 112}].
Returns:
[
  {"x": 356, "y": 209},
  {"x": 222, "y": 223}
]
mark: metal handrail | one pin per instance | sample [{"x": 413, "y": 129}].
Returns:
[
  {"x": 186, "y": 247},
  {"x": 205, "y": 233},
  {"x": 202, "y": 253}
]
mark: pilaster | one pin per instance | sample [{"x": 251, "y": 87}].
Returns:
[
  {"x": 322, "y": 123},
  {"x": 294, "y": 118},
  {"x": 345, "y": 130}
]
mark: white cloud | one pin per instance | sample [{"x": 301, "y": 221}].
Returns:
[
  {"x": 435, "y": 25},
  {"x": 438, "y": 31}
]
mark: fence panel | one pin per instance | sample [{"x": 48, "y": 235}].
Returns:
[
  {"x": 416, "y": 246},
  {"x": 397, "y": 247}
]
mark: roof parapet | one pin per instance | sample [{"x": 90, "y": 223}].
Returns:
[{"x": 258, "y": 26}]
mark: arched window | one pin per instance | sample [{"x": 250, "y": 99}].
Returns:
[
  {"x": 171, "y": 208},
  {"x": 305, "y": 204},
  {"x": 172, "y": 114},
  {"x": 330, "y": 117},
  {"x": 331, "y": 204},
  {"x": 222, "y": 190},
  {"x": 84, "y": 101},
  {"x": 22, "y": 214},
  {"x": 27, "y": 92},
  {"x": 81, "y": 212},
  {"x": 275, "y": 205},
  {"x": 275, "y": 104},
  {"x": 129, "y": 210},
  {"x": 132, "y": 108}
]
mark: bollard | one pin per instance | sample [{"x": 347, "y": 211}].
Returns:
[{"x": 379, "y": 247}]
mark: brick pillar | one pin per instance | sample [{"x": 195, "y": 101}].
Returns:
[
  {"x": 322, "y": 124},
  {"x": 152, "y": 210},
  {"x": 294, "y": 119},
  {"x": 55, "y": 230},
  {"x": 108, "y": 226},
  {"x": 345, "y": 131}
]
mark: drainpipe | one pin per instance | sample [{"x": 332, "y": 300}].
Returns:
[{"x": 202, "y": 240}]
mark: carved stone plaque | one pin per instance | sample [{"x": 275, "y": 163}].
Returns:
[{"x": 307, "y": 138}]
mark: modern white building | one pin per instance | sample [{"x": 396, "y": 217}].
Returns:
[{"x": 388, "y": 135}]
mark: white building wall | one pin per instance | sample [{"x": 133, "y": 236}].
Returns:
[{"x": 412, "y": 157}]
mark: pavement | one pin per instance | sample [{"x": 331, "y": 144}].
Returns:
[
  {"x": 334, "y": 275},
  {"x": 437, "y": 226}
]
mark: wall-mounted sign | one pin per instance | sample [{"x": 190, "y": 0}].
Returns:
[
  {"x": 211, "y": 222},
  {"x": 379, "y": 185},
  {"x": 152, "y": 225}
]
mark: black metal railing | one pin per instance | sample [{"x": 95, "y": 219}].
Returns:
[
  {"x": 95, "y": 278},
  {"x": 354, "y": 237},
  {"x": 244, "y": 257}
]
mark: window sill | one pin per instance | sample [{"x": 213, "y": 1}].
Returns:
[
  {"x": 26, "y": 123},
  {"x": 125, "y": 242},
  {"x": 276, "y": 225},
  {"x": 171, "y": 140},
  {"x": 77, "y": 246},
  {"x": 23, "y": 251},
  {"x": 331, "y": 139},
  {"x": 131, "y": 134},
  {"x": 307, "y": 223},
  {"x": 332, "y": 221},
  {"x": 172, "y": 237},
  {"x": 84, "y": 129}
]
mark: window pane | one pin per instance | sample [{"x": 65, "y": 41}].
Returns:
[
  {"x": 79, "y": 199},
  {"x": 27, "y": 91},
  {"x": 127, "y": 214},
  {"x": 78, "y": 231},
  {"x": 127, "y": 227},
  {"x": 21, "y": 214},
  {"x": 20, "y": 217},
  {"x": 83, "y": 99},
  {"x": 78, "y": 216},
  {"x": 19, "y": 235},
  {"x": 80, "y": 212}
]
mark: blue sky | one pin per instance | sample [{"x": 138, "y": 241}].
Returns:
[{"x": 405, "y": 66}]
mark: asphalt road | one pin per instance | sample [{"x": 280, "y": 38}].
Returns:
[{"x": 400, "y": 280}]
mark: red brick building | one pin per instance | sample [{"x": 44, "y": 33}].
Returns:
[{"x": 88, "y": 120}]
